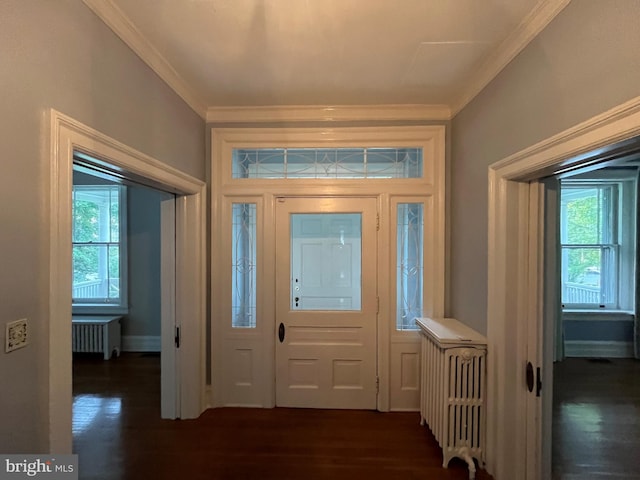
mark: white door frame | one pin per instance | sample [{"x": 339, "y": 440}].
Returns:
[
  {"x": 512, "y": 282},
  {"x": 67, "y": 136},
  {"x": 398, "y": 351}
]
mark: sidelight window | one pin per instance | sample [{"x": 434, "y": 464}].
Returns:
[
  {"x": 409, "y": 264},
  {"x": 243, "y": 267}
]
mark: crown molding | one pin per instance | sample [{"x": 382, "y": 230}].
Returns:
[
  {"x": 529, "y": 28},
  {"x": 325, "y": 113},
  {"x": 117, "y": 21}
]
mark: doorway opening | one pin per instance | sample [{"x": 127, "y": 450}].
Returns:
[
  {"x": 594, "y": 392},
  {"x": 183, "y": 307},
  {"x": 517, "y": 332},
  {"x": 117, "y": 256}
]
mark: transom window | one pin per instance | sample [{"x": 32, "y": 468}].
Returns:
[
  {"x": 340, "y": 163},
  {"x": 596, "y": 231},
  {"x": 98, "y": 263}
]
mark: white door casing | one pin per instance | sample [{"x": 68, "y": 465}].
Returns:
[
  {"x": 67, "y": 137},
  {"x": 243, "y": 359},
  {"x": 326, "y": 303},
  {"x": 591, "y": 141}
]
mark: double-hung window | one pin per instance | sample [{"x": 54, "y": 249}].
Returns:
[
  {"x": 597, "y": 230},
  {"x": 99, "y": 257}
]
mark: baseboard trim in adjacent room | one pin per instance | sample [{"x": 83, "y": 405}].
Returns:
[
  {"x": 584, "y": 348},
  {"x": 141, "y": 343}
]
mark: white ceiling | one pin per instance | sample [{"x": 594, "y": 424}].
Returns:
[{"x": 219, "y": 54}]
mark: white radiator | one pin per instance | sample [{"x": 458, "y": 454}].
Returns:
[
  {"x": 453, "y": 388},
  {"x": 93, "y": 334}
]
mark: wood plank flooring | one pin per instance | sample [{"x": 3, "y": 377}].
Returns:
[
  {"x": 596, "y": 419},
  {"x": 118, "y": 434}
]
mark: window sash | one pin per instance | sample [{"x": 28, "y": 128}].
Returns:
[
  {"x": 590, "y": 250},
  {"x": 97, "y": 247},
  {"x": 590, "y": 286}
]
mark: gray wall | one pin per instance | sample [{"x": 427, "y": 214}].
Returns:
[
  {"x": 585, "y": 62},
  {"x": 58, "y": 54},
  {"x": 618, "y": 330}
]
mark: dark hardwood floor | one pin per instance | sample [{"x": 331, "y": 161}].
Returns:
[
  {"x": 118, "y": 434},
  {"x": 596, "y": 419}
]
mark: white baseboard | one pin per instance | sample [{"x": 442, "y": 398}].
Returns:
[
  {"x": 580, "y": 348},
  {"x": 141, "y": 343}
]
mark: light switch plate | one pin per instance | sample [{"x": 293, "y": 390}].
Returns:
[{"x": 16, "y": 335}]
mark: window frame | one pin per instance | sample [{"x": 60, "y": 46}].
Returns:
[
  {"x": 86, "y": 305},
  {"x": 620, "y": 241}
]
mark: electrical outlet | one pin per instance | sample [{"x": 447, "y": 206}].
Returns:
[{"x": 16, "y": 335}]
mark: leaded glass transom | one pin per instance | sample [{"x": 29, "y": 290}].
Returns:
[
  {"x": 340, "y": 163},
  {"x": 410, "y": 266}
]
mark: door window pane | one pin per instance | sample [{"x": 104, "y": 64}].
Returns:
[{"x": 326, "y": 254}]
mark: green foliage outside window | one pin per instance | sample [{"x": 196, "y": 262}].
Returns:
[
  {"x": 96, "y": 242},
  {"x": 584, "y": 227}
]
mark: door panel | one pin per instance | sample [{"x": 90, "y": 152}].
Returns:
[{"x": 326, "y": 303}]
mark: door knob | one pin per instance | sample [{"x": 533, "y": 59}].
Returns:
[
  {"x": 529, "y": 377},
  {"x": 281, "y": 332}
]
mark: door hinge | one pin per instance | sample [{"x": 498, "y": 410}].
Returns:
[
  {"x": 377, "y": 222},
  {"x": 177, "y": 337},
  {"x": 377, "y": 305},
  {"x": 377, "y": 384}
]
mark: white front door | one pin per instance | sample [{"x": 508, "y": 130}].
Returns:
[{"x": 326, "y": 302}]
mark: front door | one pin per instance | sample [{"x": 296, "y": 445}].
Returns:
[{"x": 326, "y": 302}]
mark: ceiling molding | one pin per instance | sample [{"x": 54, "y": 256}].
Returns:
[
  {"x": 325, "y": 113},
  {"x": 117, "y": 21},
  {"x": 531, "y": 26}
]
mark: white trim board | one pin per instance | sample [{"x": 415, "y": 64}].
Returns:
[
  {"x": 141, "y": 343},
  {"x": 510, "y": 280},
  {"x": 327, "y": 113},
  {"x": 584, "y": 348}
]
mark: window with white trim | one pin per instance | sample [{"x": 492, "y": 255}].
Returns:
[
  {"x": 99, "y": 257},
  {"x": 597, "y": 235}
]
